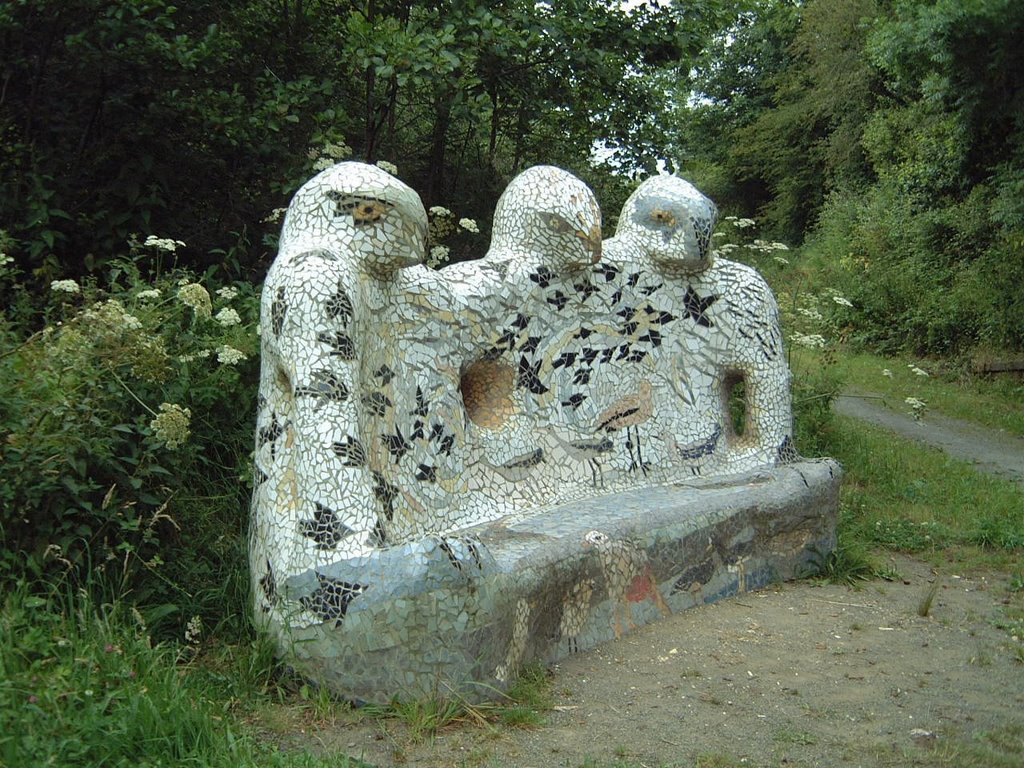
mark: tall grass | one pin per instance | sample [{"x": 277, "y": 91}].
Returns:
[{"x": 82, "y": 684}]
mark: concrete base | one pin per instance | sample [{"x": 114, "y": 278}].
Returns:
[{"x": 459, "y": 614}]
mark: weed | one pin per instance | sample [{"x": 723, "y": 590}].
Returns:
[
  {"x": 532, "y": 688},
  {"x": 924, "y": 608},
  {"x": 425, "y": 717},
  {"x": 85, "y": 685},
  {"x": 785, "y": 736},
  {"x": 847, "y": 564}
]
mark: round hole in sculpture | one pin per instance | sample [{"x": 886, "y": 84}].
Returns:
[{"x": 486, "y": 387}]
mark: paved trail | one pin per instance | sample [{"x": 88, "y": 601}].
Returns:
[{"x": 992, "y": 451}]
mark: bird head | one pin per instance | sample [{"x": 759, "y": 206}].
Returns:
[
  {"x": 670, "y": 222},
  {"x": 549, "y": 213},
  {"x": 362, "y": 210}
]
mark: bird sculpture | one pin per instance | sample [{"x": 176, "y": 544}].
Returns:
[
  {"x": 349, "y": 226},
  {"x": 669, "y": 222},
  {"x": 546, "y": 220},
  {"x": 627, "y": 576},
  {"x": 360, "y": 213},
  {"x": 628, "y": 413}
]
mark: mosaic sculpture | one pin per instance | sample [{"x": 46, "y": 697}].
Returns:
[{"x": 449, "y": 463}]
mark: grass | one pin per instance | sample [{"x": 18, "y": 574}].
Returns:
[
  {"x": 992, "y": 401},
  {"x": 82, "y": 684},
  {"x": 924, "y": 608},
  {"x": 900, "y": 496}
]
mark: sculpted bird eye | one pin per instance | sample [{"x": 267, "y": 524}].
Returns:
[
  {"x": 362, "y": 208},
  {"x": 662, "y": 216},
  {"x": 556, "y": 223}
]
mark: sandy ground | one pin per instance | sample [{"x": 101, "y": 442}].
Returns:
[{"x": 802, "y": 674}]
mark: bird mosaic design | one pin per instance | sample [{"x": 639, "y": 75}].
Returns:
[
  {"x": 575, "y": 612},
  {"x": 627, "y": 576},
  {"x": 628, "y": 413}
]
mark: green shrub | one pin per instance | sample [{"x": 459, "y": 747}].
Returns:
[
  {"x": 125, "y": 420},
  {"x": 83, "y": 684}
]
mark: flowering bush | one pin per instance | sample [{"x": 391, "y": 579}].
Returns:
[
  {"x": 442, "y": 226},
  {"x": 124, "y": 423}
]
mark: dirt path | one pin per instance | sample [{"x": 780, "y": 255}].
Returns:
[
  {"x": 990, "y": 450},
  {"x": 803, "y": 674}
]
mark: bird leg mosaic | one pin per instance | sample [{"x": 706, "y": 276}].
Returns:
[{"x": 404, "y": 410}]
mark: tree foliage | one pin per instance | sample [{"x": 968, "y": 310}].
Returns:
[
  {"x": 891, "y": 135},
  {"x": 194, "y": 121}
]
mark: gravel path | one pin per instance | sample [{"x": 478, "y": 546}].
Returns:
[{"x": 992, "y": 451}]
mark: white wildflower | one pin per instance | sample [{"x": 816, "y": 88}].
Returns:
[
  {"x": 338, "y": 151},
  {"x": 781, "y": 259},
  {"x": 469, "y": 225},
  {"x": 313, "y": 153},
  {"x": 274, "y": 216},
  {"x": 811, "y": 340},
  {"x": 163, "y": 243},
  {"x": 744, "y": 223},
  {"x": 131, "y": 322},
  {"x": 391, "y": 168},
  {"x": 728, "y": 248},
  {"x": 917, "y": 371},
  {"x": 171, "y": 425},
  {"x": 887, "y": 373},
  {"x": 228, "y": 292},
  {"x": 843, "y": 302},
  {"x": 439, "y": 210},
  {"x": 438, "y": 255},
  {"x": 229, "y": 355},
  {"x": 193, "y": 630},
  {"x": 730, "y": 218},
  {"x": 65, "y": 286},
  {"x": 200, "y": 355},
  {"x": 779, "y": 246},
  {"x": 198, "y": 298},
  {"x": 227, "y": 317},
  {"x": 810, "y": 313},
  {"x": 148, "y": 294},
  {"x": 718, "y": 234},
  {"x": 323, "y": 164},
  {"x": 917, "y": 407}
]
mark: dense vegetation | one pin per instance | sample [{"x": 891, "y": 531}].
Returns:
[
  {"x": 890, "y": 137},
  {"x": 144, "y": 147}
]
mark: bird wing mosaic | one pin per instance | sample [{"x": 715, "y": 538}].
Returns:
[{"x": 402, "y": 404}]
